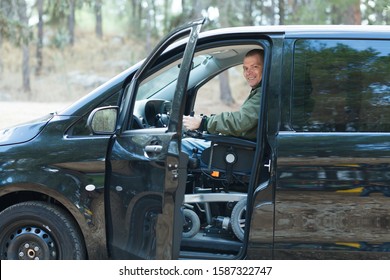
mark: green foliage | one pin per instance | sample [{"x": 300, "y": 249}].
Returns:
[
  {"x": 58, "y": 10},
  {"x": 343, "y": 73},
  {"x": 60, "y": 39},
  {"x": 321, "y": 12},
  {"x": 12, "y": 28},
  {"x": 157, "y": 17},
  {"x": 377, "y": 12}
]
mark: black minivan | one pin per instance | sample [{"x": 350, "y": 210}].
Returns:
[{"x": 106, "y": 177}]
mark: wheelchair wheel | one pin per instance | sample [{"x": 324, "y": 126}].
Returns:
[
  {"x": 191, "y": 224},
  {"x": 237, "y": 219}
]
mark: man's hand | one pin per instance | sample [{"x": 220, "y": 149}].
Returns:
[{"x": 192, "y": 123}]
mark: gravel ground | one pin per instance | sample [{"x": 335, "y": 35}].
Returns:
[{"x": 20, "y": 112}]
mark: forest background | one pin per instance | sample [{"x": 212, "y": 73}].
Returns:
[{"x": 53, "y": 52}]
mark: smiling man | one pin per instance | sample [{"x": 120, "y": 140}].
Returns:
[{"x": 241, "y": 123}]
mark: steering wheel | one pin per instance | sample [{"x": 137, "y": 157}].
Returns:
[
  {"x": 136, "y": 123},
  {"x": 162, "y": 120}
]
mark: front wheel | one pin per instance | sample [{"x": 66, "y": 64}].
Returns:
[
  {"x": 238, "y": 219},
  {"x": 36, "y": 230},
  {"x": 191, "y": 224}
]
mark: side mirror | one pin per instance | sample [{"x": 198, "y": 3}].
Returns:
[{"x": 103, "y": 120}]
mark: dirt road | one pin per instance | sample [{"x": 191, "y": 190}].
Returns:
[{"x": 18, "y": 112}]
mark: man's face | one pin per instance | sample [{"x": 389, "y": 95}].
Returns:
[{"x": 253, "y": 69}]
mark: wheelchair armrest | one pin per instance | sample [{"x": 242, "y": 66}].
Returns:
[
  {"x": 229, "y": 154},
  {"x": 229, "y": 140}
]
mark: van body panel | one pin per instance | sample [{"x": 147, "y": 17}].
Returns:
[{"x": 332, "y": 194}]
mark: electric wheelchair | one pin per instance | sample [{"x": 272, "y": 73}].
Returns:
[{"x": 216, "y": 195}]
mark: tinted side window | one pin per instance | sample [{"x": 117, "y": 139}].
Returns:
[{"x": 341, "y": 85}]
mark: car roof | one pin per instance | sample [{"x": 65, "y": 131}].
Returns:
[{"x": 309, "y": 31}]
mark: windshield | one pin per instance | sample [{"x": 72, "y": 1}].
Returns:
[{"x": 163, "y": 78}]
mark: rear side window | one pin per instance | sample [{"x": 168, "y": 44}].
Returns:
[{"x": 341, "y": 86}]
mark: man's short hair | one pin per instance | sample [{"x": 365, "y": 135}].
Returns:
[{"x": 259, "y": 52}]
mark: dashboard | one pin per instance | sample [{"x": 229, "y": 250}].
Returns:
[{"x": 152, "y": 113}]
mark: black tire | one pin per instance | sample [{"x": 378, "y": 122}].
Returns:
[
  {"x": 142, "y": 230},
  {"x": 191, "y": 224},
  {"x": 36, "y": 230},
  {"x": 237, "y": 219}
]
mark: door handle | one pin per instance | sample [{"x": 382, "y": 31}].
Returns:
[
  {"x": 153, "y": 149},
  {"x": 268, "y": 165}
]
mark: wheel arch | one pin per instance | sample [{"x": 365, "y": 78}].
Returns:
[{"x": 18, "y": 193}]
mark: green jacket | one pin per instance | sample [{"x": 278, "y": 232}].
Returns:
[{"x": 242, "y": 123}]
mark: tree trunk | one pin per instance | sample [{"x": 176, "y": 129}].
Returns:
[
  {"x": 1, "y": 58},
  {"x": 26, "y": 68},
  {"x": 7, "y": 9},
  {"x": 39, "y": 55},
  {"x": 167, "y": 15},
  {"x": 136, "y": 19},
  {"x": 224, "y": 87},
  {"x": 99, "y": 19},
  {"x": 357, "y": 15},
  {"x": 22, "y": 13},
  {"x": 71, "y": 21},
  {"x": 248, "y": 8},
  {"x": 155, "y": 14},
  {"x": 197, "y": 9},
  {"x": 281, "y": 12},
  {"x": 351, "y": 15},
  {"x": 148, "y": 29}
]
